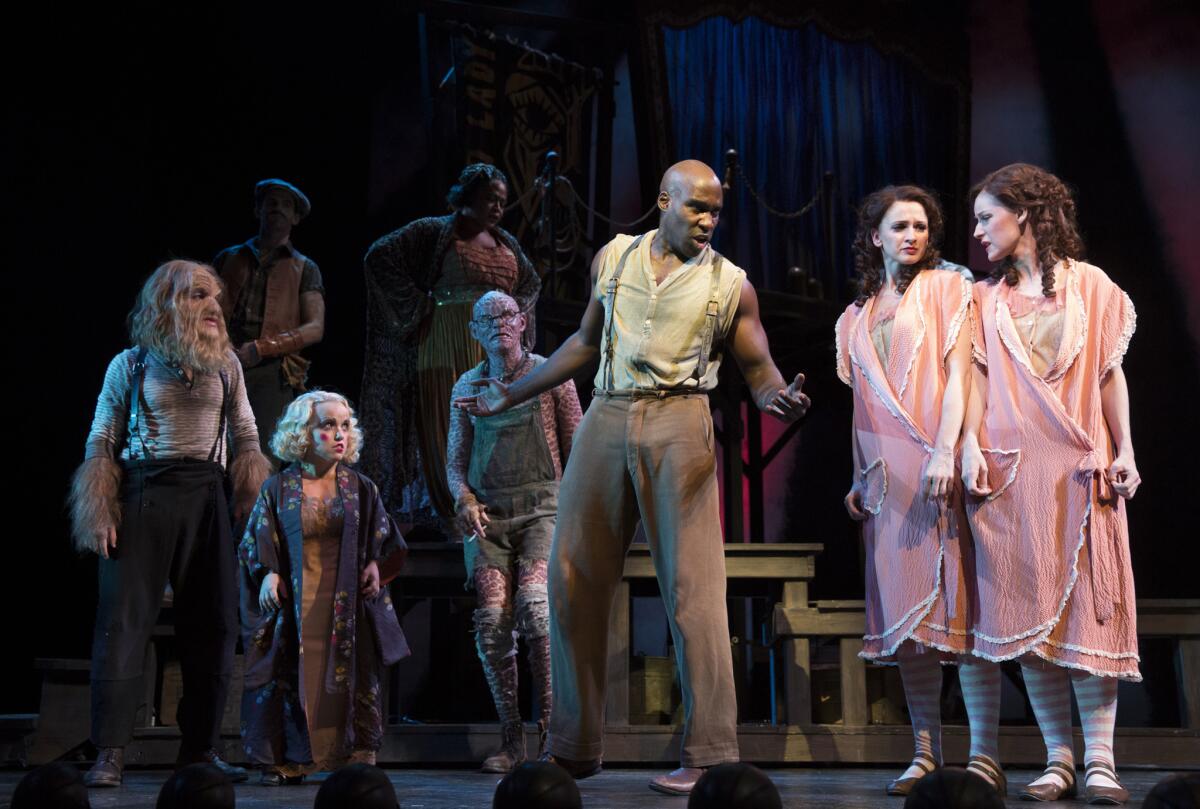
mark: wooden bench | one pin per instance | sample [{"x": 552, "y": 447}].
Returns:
[
  {"x": 1178, "y": 619},
  {"x": 17, "y": 734},
  {"x": 781, "y": 571},
  {"x": 783, "y": 567},
  {"x": 791, "y": 565}
]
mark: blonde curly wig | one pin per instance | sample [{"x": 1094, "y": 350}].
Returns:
[{"x": 292, "y": 436}]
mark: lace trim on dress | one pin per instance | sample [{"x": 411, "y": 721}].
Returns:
[
  {"x": 878, "y": 462},
  {"x": 1127, "y": 330},
  {"x": 1043, "y": 630},
  {"x": 957, "y": 321},
  {"x": 1081, "y": 340},
  {"x": 915, "y": 289},
  {"x": 1012, "y": 472},
  {"x": 843, "y": 367}
]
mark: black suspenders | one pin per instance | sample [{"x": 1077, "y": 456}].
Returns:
[
  {"x": 135, "y": 402},
  {"x": 212, "y": 453},
  {"x": 710, "y": 317},
  {"x": 136, "y": 383},
  {"x": 612, "y": 311}
]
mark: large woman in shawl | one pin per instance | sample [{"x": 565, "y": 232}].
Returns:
[
  {"x": 316, "y": 626},
  {"x": 1048, "y": 458},
  {"x": 904, "y": 348},
  {"x": 422, "y": 281}
]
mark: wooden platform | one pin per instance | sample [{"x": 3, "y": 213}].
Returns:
[
  {"x": 658, "y": 745},
  {"x": 853, "y": 734},
  {"x": 813, "y": 788}
]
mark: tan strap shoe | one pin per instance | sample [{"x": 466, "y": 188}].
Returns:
[
  {"x": 1064, "y": 787},
  {"x": 1103, "y": 796}
]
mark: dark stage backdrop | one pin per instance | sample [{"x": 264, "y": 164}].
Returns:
[
  {"x": 143, "y": 142},
  {"x": 796, "y": 103},
  {"x": 140, "y": 144}
]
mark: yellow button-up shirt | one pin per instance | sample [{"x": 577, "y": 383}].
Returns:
[{"x": 657, "y": 329}]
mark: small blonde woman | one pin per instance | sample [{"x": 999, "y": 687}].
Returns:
[{"x": 311, "y": 598}]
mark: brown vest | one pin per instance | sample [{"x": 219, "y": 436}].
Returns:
[{"x": 281, "y": 311}]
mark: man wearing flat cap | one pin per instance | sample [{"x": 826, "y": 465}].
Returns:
[{"x": 274, "y": 303}]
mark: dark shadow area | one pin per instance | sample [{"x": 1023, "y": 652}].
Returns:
[{"x": 1093, "y": 154}]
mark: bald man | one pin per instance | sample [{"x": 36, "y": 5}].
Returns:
[{"x": 663, "y": 307}]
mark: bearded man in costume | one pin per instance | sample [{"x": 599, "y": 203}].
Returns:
[{"x": 150, "y": 499}]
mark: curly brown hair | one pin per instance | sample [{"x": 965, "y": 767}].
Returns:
[
  {"x": 1051, "y": 208},
  {"x": 868, "y": 259}
]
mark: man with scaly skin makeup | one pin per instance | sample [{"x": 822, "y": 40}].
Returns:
[
  {"x": 503, "y": 473},
  {"x": 663, "y": 307}
]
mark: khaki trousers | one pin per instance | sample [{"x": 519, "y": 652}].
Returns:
[{"x": 654, "y": 458}]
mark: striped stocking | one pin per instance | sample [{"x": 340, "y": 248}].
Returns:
[
  {"x": 921, "y": 671},
  {"x": 1049, "y": 690},
  {"x": 1097, "y": 698},
  {"x": 980, "y": 681}
]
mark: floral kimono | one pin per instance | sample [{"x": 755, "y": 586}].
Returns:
[
  {"x": 918, "y": 551},
  {"x": 365, "y": 633},
  {"x": 1052, "y": 540}
]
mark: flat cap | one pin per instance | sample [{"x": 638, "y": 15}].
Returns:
[{"x": 303, "y": 206}]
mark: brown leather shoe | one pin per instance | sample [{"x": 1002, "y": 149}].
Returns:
[
  {"x": 989, "y": 770},
  {"x": 677, "y": 782},
  {"x": 576, "y": 769},
  {"x": 106, "y": 772},
  {"x": 274, "y": 778},
  {"x": 1103, "y": 796},
  {"x": 364, "y": 757},
  {"x": 512, "y": 749},
  {"x": 902, "y": 786},
  {"x": 1052, "y": 791}
]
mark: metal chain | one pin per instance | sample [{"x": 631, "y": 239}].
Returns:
[
  {"x": 538, "y": 186},
  {"x": 772, "y": 210},
  {"x": 602, "y": 217},
  {"x": 516, "y": 202}
]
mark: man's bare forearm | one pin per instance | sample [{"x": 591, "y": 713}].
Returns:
[
  {"x": 569, "y": 359},
  {"x": 764, "y": 381}
]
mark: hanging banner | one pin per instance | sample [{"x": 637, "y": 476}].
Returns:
[{"x": 515, "y": 104}]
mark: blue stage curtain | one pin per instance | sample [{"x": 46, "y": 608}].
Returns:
[{"x": 795, "y": 103}]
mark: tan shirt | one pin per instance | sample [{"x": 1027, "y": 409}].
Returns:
[
  {"x": 883, "y": 316},
  {"x": 658, "y": 328},
  {"x": 1039, "y": 321}
]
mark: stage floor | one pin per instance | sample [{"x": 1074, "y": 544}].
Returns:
[{"x": 809, "y": 787}]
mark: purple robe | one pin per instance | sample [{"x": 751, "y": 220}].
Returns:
[{"x": 274, "y": 726}]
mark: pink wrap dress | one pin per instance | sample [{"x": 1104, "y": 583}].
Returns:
[
  {"x": 1052, "y": 541},
  {"x": 919, "y": 560}
]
